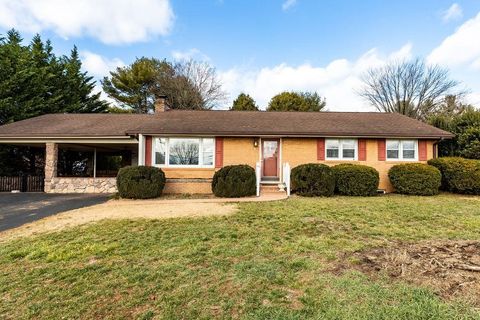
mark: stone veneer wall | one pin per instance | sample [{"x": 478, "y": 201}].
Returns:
[{"x": 82, "y": 185}]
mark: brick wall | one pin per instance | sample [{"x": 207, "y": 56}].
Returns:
[
  {"x": 298, "y": 151},
  {"x": 188, "y": 186},
  {"x": 295, "y": 151}
]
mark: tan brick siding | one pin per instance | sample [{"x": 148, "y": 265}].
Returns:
[
  {"x": 295, "y": 151},
  {"x": 236, "y": 151},
  {"x": 190, "y": 187},
  {"x": 298, "y": 151},
  {"x": 189, "y": 173},
  {"x": 240, "y": 151}
]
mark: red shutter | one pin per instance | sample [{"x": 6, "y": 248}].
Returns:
[
  {"x": 422, "y": 150},
  {"x": 321, "y": 149},
  {"x": 382, "y": 152},
  {"x": 148, "y": 150},
  {"x": 218, "y": 152},
  {"x": 362, "y": 149}
]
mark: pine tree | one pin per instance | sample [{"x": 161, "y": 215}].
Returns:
[
  {"x": 244, "y": 102},
  {"x": 34, "y": 81},
  {"x": 81, "y": 87}
]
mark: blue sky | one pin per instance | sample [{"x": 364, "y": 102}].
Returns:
[{"x": 263, "y": 47}]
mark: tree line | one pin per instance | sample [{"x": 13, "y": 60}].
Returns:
[{"x": 189, "y": 85}]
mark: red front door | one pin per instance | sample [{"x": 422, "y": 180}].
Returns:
[{"x": 270, "y": 150}]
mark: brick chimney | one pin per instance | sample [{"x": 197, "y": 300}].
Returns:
[{"x": 161, "y": 104}]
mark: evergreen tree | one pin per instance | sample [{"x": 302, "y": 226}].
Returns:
[
  {"x": 33, "y": 81},
  {"x": 244, "y": 102},
  {"x": 81, "y": 87},
  {"x": 133, "y": 86}
]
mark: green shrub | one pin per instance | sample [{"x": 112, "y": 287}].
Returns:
[
  {"x": 459, "y": 175},
  {"x": 234, "y": 181},
  {"x": 356, "y": 180},
  {"x": 415, "y": 178},
  {"x": 313, "y": 180},
  {"x": 140, "y": 182}
]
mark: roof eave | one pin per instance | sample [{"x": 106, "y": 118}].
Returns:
[{"x": 294, "y": 135}]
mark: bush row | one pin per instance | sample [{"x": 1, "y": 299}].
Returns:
[
  {"x": 315, "y": 179},
  {"x": 359, "y": 180},
  {"x": 142, "y": 182},
  {"x": 459, "y": 175},
  {"x": 450, "y": 174}
]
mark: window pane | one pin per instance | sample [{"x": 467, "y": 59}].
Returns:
[
  {"x": 160, "y": 148},
  {"x": 348, "y": 144},
  {"x": 332, "y": 148},
  {"x": 393, "y": 145},
  {"x": 332, "y": 153},
  {"x": 348, "y": 153},
  {"x": 408, "y": 145},
  {"x": 208, "y": 145},
  {"x": 409, "y": 154},
  {"x": 392, "y": 154},
  {"x": 184, "y": 151},
  {"x": 332, "y": 144}
]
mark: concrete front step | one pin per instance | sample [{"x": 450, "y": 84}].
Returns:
[{"x": 270, "y": 188}]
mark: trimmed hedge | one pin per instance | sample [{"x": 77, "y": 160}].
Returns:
[
  {"x": 234, "y": 181},
  {"x": 313, "y": 180},
  {"x": 459, "y": 175},
  {"x": 356, "y": 180},
  {"x": 140, "y": 182},
  {"x": 415, "y": 178}
]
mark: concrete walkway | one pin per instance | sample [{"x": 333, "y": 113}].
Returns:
[{"x": 271, "y": 196}]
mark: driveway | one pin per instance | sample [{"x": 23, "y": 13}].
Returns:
[{"x": 17, "y": 209}]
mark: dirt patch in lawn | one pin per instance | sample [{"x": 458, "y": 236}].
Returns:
[
  {"x": 122, "y": 209},
  {"x": 451, "y": 268}
]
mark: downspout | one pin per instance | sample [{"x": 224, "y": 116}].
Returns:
[
  {"x": 141, "y": 150},
  {"x": 435, "y": 148},
  {"x": 94, "y": 169}
]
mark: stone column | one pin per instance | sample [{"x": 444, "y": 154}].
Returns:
[{"x": 51, "y": 160}]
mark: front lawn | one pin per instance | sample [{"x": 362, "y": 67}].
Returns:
[{"x": 269, "y": 261}]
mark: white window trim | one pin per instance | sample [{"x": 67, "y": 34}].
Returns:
[
  {"x": 340, "y": 150},
  {"x": 400, "y": 150},
  {"x": 179, "y": 166}
]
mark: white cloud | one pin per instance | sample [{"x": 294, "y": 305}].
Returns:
[
  {"x": 460, "y": 48},
  {"x": 338, "y": 81},
  {"x": 97, "y": 65},
  {"x": 110, "y": 21},
  {"x": 288, "y": 4},
  {"x": 453, "y": 13},
  {"x": 473, "y": 98},
  {"x": 190, "y": 54},
  {"x": 405, "y": 53}
]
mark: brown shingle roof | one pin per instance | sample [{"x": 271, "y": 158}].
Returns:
[{"x": 226, "y": 123}]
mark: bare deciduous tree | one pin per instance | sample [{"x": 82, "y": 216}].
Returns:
[
  {"x": 185, "y": 153},
  {"x": 202, "y": 79},
  {"x": 412, "y": 88}
]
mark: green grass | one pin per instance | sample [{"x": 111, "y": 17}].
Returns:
[{"x": 268, "y": 261}]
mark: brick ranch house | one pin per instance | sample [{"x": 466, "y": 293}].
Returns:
[{"x": 190, "y": 146}]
